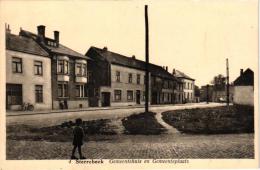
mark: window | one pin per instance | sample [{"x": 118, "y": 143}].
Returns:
[
  {"x": 78, "y": 69},
  {"x": 38, "y": 94},
  {"x": 117, "y": 95},
  {"x": 81, "y": 69},
  {"x": 138, "y": 79},
  {"x": 80, "y": 91},
  {"x": 14, "y": 94},
  {"x": 63, "y": 67},
  {"x": 117, "y": 76},
  {"x": 130, "y": 78},
  {"x": 17, "y": 65},
  {"x": 130, "y": 95},
  {"x": 37, "y": 67},
  {"x": 63, "y": 90}
]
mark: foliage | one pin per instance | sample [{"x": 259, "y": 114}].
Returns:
[
  {"x": 233, "y": 119},
  {"x": 143, "y": 123}
]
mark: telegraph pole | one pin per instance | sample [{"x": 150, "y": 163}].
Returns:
[
  {"x": 146, "y": 59},
  {"x": 207, "y": 97},
  {"x": 227, "y": 82}
]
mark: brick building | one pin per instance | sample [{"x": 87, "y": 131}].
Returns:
[
  {"x": 28, "y": 73},
  {"x": 119, "y": 80},
  {"x": 68, "y": 71}
]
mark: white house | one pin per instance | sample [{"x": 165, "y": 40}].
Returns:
[
  {"x": 28, "y": 73},
  {"x": 244, "y": 88},
  {"x": 188, "y": 86}
]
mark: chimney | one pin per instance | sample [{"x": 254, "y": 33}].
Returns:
[
  {"x": 7, "y": 29},
  {"x": 173, "y": 71},
  {"x": 57, "y": 37},
  {"x": 166, "y": 68},
  {"x": 133, "y": 57},
  {"x": 41, "y": 32},
  {"x": 163, "y": 67},
  {"x": 105, "y": 48},
  {"x": 241, "y": 72}
]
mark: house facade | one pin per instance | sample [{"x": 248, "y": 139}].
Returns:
[
  {"x": 28, "y": 73},
  {"x": 117, "y": 80},
  {"x": 68, "y": 71},
  {"x": 188, "y": 86},
  {"x": 244, "y": 88},
  {"x": 163, "y": 85},
  {"x": 178, "y": 92}
]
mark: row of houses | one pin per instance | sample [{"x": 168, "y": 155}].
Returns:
[{"x": 43, "y": 72}]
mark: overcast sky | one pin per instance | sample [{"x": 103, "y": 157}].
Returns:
[{"x": 195, "y": 37}]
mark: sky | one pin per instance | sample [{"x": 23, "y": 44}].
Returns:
[{"x": 193, "y": 36}]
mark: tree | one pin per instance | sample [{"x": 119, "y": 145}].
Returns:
[{"x": 219, "y": 82}]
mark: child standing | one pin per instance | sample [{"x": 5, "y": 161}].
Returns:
[{"x": 78, "y": 133}]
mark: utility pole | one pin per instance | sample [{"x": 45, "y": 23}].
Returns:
[
  {"x": 227, "y": 82},
  {"x": 207, "y": 94},
  {"x": 146, "y": 59}
]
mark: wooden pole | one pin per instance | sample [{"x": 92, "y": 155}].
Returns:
[
  {"x": 227, "y": 65},
  {"x": 207, "y": 89},
  {"x": 146, "y": 60}
]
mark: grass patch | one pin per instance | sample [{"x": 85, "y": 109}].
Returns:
[
  {"x": 143, "y": 123},
  {"x": 233, "y": 119},
  {"x": 94, "y": 130}
]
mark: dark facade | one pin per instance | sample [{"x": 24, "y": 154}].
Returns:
[
  {"x": 163, "y": 85},
  {"x": 68, "y": 71}
]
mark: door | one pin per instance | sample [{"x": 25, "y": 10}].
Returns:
[
  {"x": 138, "y": 96},
  {"x": 105, "y": 99},
  {"x": 154, "y": 98}
]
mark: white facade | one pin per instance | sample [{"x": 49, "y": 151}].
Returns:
[
  {"x": 188, "y": 90},
  {"x": 123, "y": 85},
  {"x": 244, "y": 95},
  {"x": 29, "y": 80}
]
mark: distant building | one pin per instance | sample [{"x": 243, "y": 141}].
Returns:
[
  {"x": 206, "y": 93},
  {"x": 220, "y": 95},
  {"x": 188, "y": 87},
  {"x": 244, "y": 88},
  {"x": 28, "y": 73},
  {"x": 68, "y": 71}
]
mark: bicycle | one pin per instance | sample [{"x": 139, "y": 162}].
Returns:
[{"x": 27, "y": 107}]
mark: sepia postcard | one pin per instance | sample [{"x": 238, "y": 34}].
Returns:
[{"x": 129, "y": 84}]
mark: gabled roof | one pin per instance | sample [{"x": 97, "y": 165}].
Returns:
[
  {"x": 122, "y": 60},
  {"x": 245, "y": 79},
  {"x": 180, "y": 74},
  {"x": 61, "y": 49},
  {"x": 23, "y": 44}
]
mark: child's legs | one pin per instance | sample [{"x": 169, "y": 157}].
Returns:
[
  {"x": 79, "y": 149},
  {"x": 73, "y": 150}
]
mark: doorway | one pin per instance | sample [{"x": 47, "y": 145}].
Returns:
[
  {"x": 105, "y": 99},
  {"x": 138, "y": 96}
]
